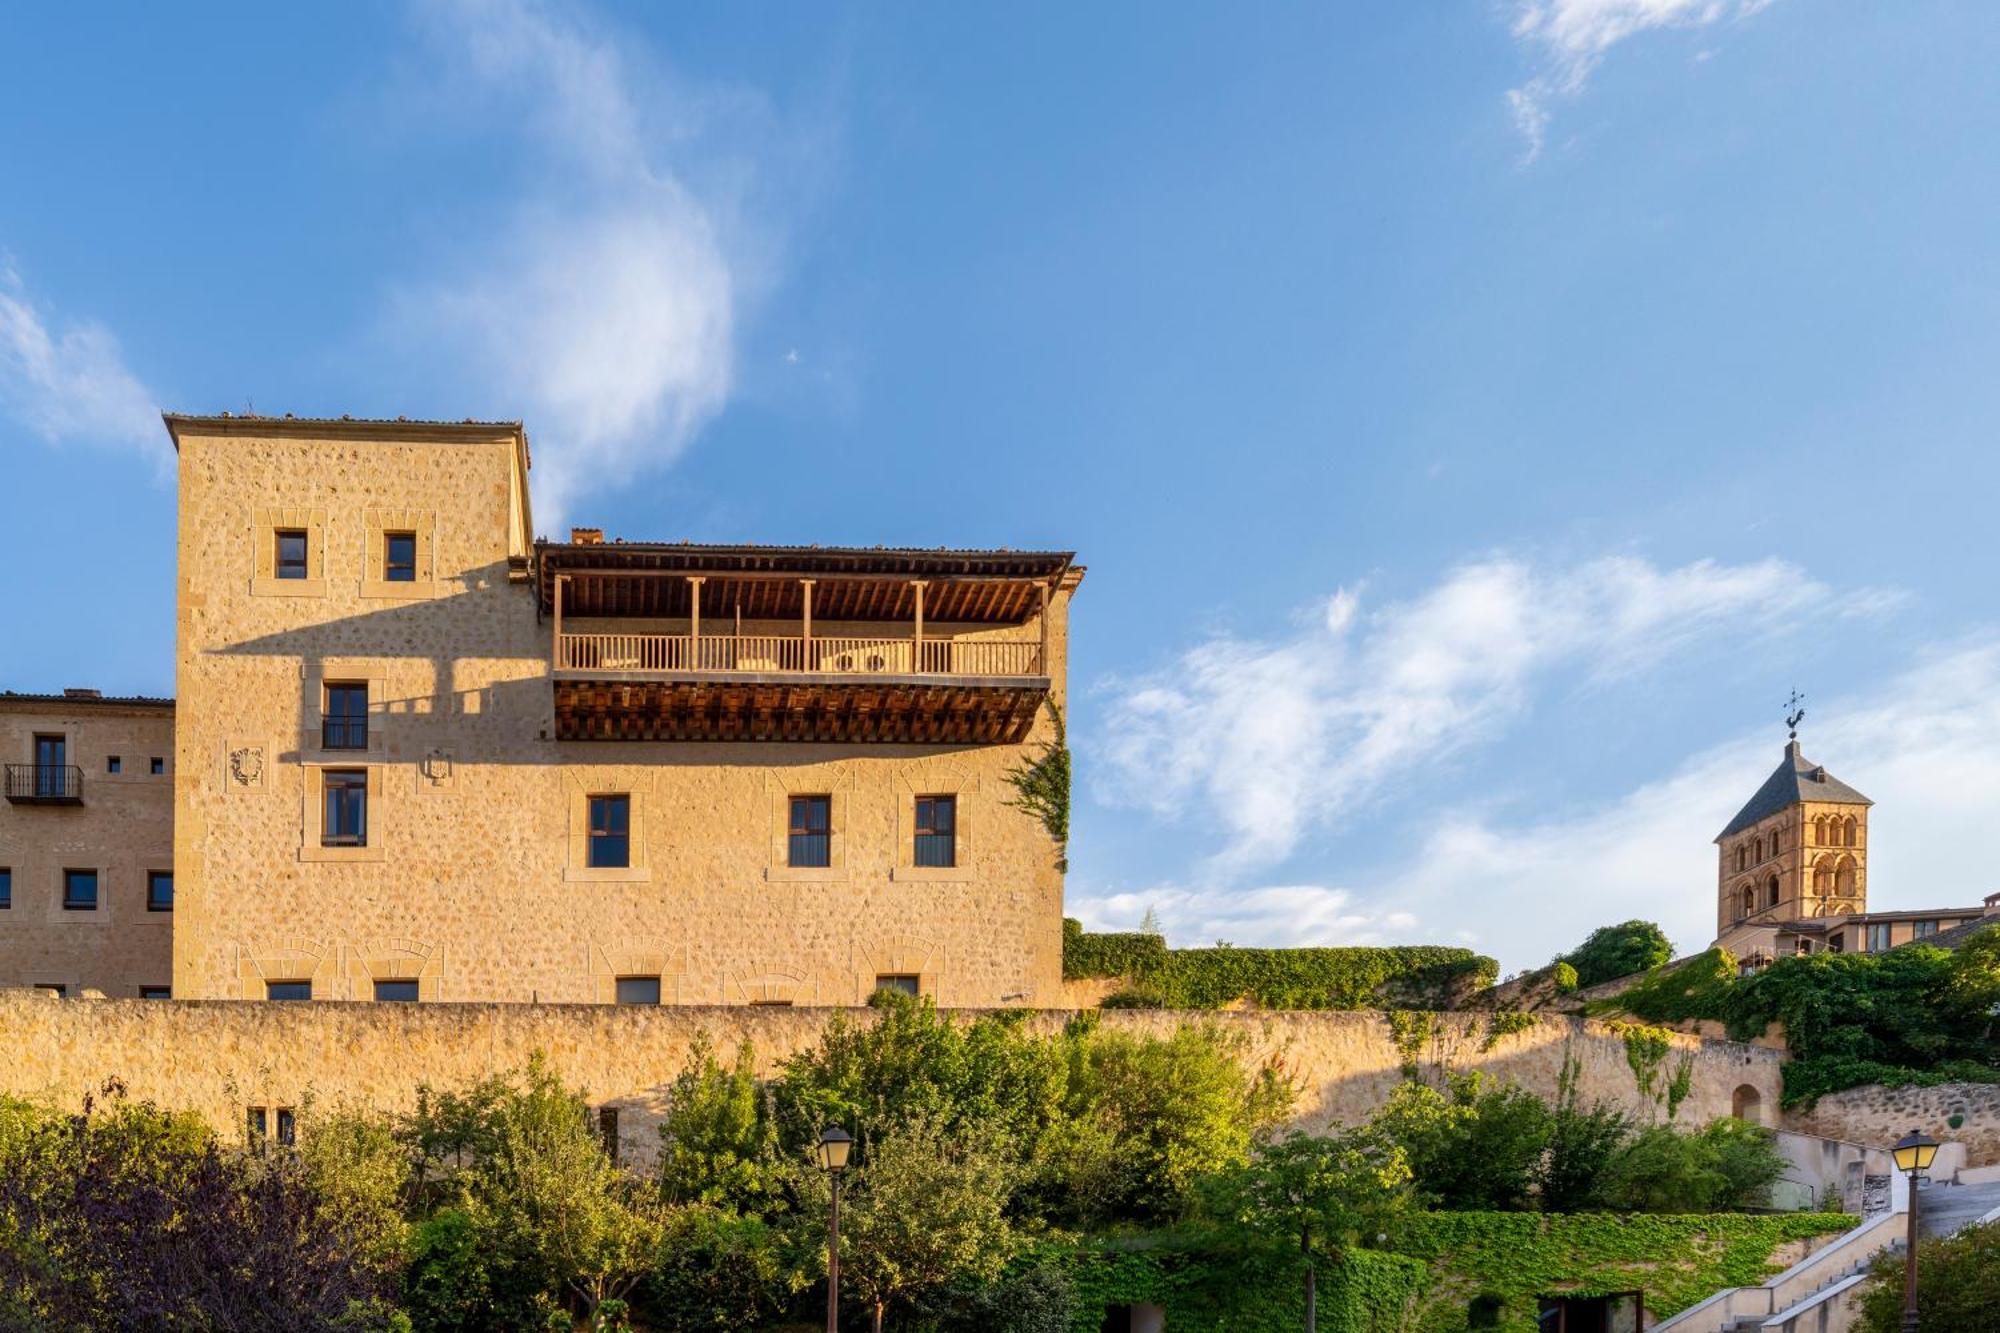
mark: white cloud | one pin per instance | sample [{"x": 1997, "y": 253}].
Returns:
[
  {"x": 606, "y": 303},
  {"x": 68, "y": 381},
  {"x": 1924, "y": 745},
  {"x": 1272, "y": 738},
  {"x": 1570, "y": 39}
]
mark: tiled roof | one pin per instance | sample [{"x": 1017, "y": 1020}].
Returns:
[
  {"x": 86, "y": 700},
  {"x": 203, "y": 418},
  {"x": 1796, "y": 779}
]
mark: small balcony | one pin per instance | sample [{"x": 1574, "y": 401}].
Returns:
[
  {"x": 778, "y": 656},
  {"x": 44, "y": 784}
]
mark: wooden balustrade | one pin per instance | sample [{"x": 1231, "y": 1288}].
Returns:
[{"x": 781, "y": 653}]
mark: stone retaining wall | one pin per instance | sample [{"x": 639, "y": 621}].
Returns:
[
  {"x": 1878, "y": 1116},
  {"x": 222, "y": 1056}
]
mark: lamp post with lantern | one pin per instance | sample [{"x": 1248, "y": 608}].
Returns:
[
  {"x": 1914, "y": 1154},
  {"x": 834, "y": 1145}
]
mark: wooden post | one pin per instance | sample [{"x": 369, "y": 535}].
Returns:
[
  {"x": 694, "y": 621},
  {"x": 806, "y": 663},
  {"x": 560, "y": 580},
  {"x": 1045, "y": 630},
  {"x": 918, "y": 664}
]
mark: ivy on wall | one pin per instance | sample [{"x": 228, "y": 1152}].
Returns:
[
  {"x": 1416, "y": 976},
  {"x": 1041, "y": 787},
  {"x": 1369, "y": 1292}
]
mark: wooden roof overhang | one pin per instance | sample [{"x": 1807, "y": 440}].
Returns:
[
  {"x": 880, "y": 710},
  {"x": 631, "y": 579}
]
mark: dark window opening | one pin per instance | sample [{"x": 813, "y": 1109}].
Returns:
[
  {"x": 114, "y": 764},
  {"x": 607, "y": 1129},
  {"x": 55, "y": 988},
  {"x": 159, "y": 766},
  {"x": 901, "y": 981},
  {"x": 610, "y": 832},
  {"x": 811, "y": 830},
  {"x": 51, "y": 767},
  {"x": 288, "y": 990},
  {"x": 156, "y": 992},
  {"x": 257, "y": 1124},
  {"x": 288, "y": 1126},
  {"x": 1921, "y": 930},
  {"x": 159, "y": 890},
  {"x": 396, "y": 992},
  {"x": 291, "y": 561},
  {"x": 6, "y": 888},
  {"x": 399, "y": 557},
  {"x": 79, "y": 890},
  {"x": 937, "y": 830},
  {"x": 344, "y": 724},
  {"x": 770, "y": 1004},
  {"x": 638, "y": 990},
  {"x": 346, "y": 808}
]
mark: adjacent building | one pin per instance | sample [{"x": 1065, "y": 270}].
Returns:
[{"x": 416, "y": 754}]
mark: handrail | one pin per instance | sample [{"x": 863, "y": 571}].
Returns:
[
  {"x": 44, "y": 782},
  {"x": 794, "y": 654}
]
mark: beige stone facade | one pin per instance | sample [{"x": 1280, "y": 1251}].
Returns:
[{"x": 87, "y": 843}]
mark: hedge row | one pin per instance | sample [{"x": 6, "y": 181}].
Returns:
[
  {"x": 1422, "y": 977},
  {"x": 1368, "y": 1293}
]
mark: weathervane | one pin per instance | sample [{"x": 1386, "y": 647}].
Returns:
[{"x": 1797, "y": 713}]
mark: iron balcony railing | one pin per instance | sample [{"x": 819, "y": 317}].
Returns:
[{"x": 44, "y": 784}]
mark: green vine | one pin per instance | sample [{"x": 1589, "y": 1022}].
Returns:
[
  {"x": 1646, "y": 1049},
  {"x": 1043, "y": 787},
  {"x": 1680, "y": 1085},
  {"x": 1505, "y": 1023},
  {"x": 1411, "y": 1029}
]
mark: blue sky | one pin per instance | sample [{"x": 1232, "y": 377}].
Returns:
[{"x": 1476, "y": 418}]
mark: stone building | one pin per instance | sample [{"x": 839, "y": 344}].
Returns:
[
  {"x": 1792, "y": 874},
  {"x": 417, "y": 754}
]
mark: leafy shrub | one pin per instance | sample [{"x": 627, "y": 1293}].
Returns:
[
  {"x": 1726, "y": 1165},
  {"x": 1958, "y": 1285},
  {"x": 1618, "y": 951},
  {"x": 1471, "y": 1146}
]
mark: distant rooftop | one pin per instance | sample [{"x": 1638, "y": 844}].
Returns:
[
  {"x": 367, "y": 425},
  {"x": 79, "y": 695}
]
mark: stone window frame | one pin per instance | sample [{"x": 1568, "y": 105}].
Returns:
[
  {"x": 288, "y": 958},
  {"x": 770, "y": 988},
  {"x": 312, "y": 806},
  {"x": 619, "y": 781},
  {"x": 99, "y": 915},
  {"x": 641, "y": 958},
  {"x": 778, "y": 868},
  {"x": 266, "y": 522},
  {"x": 376, "y": 525},
  {"x": 898, "y": 955},
  {"x": 395, "y": 959},
  {"x": 314, "y": 677},
  {"x": 936, "y": 782}
]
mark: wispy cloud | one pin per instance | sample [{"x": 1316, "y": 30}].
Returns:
[
  {"x": 67, "y": 380},
  {"x": 607, "y": 302},
  {"x": 1570, "y": 39},
  {"x": 1924, "y": 745},
  {"x": 1271, "y": 738}
]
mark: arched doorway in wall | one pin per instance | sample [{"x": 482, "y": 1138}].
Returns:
[{"x": 1747, "y": 1104}]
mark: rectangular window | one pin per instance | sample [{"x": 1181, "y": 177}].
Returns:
[
  {"x": 937, "y": 830},
  {"x": 396, "y": 992},
  {"x": 770, "y": 1004},
  {"x": 79, "y": 890},
  {"x": 1923, "y": 930},
  {"x": 156, "y": 992},
  {"x": 288, "y": 990},
  {"x": 900, "y": 981},
  {"x": 114, "y": 764},
  {"x": 6, "y": 888},
  {"x": 159, "y": 766},
  {"x": 1878, "y": 937},
  {"x": 344, "y": 721},
  {"x": 291, "y": 554},
  {"x": 399, "y": 557},
  {"x": 346, "y": 808},
  {"x": 638, "y": 990},
  {"x": 288, "y": 1126},
  {"x": 607, "y": 1129},
  {"x": 610, "y": 832},
  {"x": 257, "y": 1124},
  {"x": 159, "y": 890},
  {"x": 811, "y": 842},
  {"x": 51, "y": 766},
  {"x": 1838, "y": 944}
]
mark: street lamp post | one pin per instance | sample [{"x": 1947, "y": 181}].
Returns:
[
  {"x": 1914, "y": 1154},
  {"x": 834, "y": 1145}
]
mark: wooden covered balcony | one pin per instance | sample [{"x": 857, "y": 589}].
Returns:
[{"x": 721, "y": 643}]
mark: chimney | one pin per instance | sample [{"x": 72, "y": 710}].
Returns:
[
  {"x": 81, "y": 692},
  {"x": 586, "y": 536}
]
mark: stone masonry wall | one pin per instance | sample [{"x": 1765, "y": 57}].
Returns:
[
  {"x": 220, "y": 1057},
  {"x": 473, "y": 882},
  {"x": 1879, "y": 1116}
]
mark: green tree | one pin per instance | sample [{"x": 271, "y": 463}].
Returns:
[
  {"x": 1470, "y": 1146},
  {"x": 1727, "y": 1165},
  {"x": 1315, "y": 1194},
  {"x": 1958, "y": 1285},
  {"x": 1582, "y": 1142},
  {"x": 927, "y": 1212},
  {"x": 361, "y": 1172},
  {"x": 717, "y": 1142},
  {"x": 1618, "y": 951}
]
